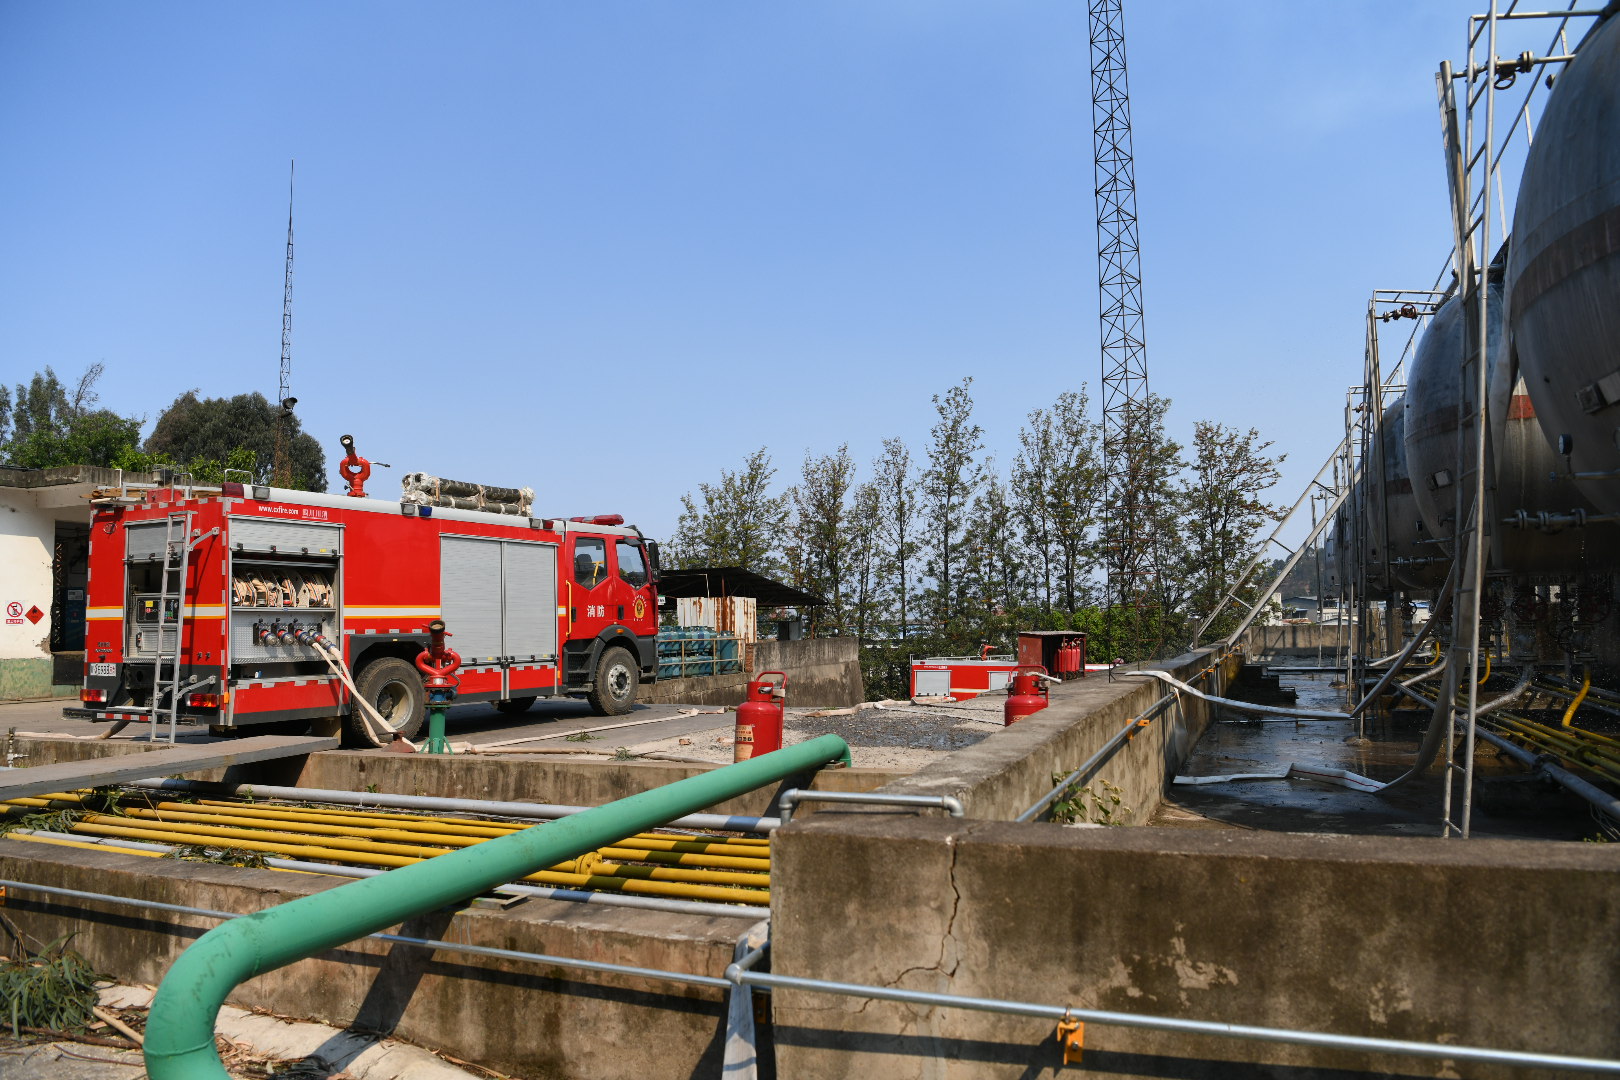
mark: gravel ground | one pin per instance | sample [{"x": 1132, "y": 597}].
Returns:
[{"x": 902, "y": 737}]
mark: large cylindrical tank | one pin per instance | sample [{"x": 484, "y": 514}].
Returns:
[
  {"x": 1433, "y": 387},
  {"x": 1529, "y": 481},
  {"x": 1563, "y": 273},
  {"x": 1413, "y": 565}
]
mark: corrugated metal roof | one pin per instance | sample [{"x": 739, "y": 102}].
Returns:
[{"x": 734, "y": 581}]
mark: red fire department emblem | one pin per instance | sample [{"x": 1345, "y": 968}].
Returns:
[{"x": 640, "y": 606}]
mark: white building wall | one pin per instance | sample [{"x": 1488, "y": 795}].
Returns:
[{"x": 27, "y": 537}]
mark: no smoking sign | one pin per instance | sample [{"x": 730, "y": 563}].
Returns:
[{"x": 15, "y": 614}]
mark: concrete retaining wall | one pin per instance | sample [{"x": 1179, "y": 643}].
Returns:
[
  {"x": 1001, "y": 776},
  {"x": 1301, "y": 639},
  {"x": 502, "y": 779},
  {"x": 518, "y": 1017},
  {"x": 1487, "y": 943},
  {"x": 824, "y": 672}
]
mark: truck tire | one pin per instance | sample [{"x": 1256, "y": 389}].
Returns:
[
  {"x": 613, "y": 692},
  {"x": 513, "y": 706},
  {"x": 395, "y": 688}
]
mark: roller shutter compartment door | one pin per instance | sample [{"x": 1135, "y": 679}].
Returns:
[
  {"x": 470, "y": 596},
  {"x": 530, "y": 579}
]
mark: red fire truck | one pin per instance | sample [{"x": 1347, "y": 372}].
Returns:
[{"x": 207, "y": 606}]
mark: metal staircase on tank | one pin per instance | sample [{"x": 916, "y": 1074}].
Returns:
[{"x": 1473, "y": 173}]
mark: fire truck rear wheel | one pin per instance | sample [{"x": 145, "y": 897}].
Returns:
[
  {"x": 394, "y": 688},
  {"x": 617, "y": 678}
]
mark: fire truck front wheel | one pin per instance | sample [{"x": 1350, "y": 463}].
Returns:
[
  {"x": 395, "y": 689},
  {"x": 617, "y": 677}
]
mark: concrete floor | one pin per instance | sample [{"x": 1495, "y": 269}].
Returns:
[{"x": 877, "y": 740}]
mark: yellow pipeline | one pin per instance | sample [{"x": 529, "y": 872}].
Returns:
[
  {"x": 224, "y": 830},
  {"x": 657, "y": 850},
  {"x": 463, "y": 826},
  {"x": 1487, "y": 672},
  {"x": 565, "y": 877},
  {"x": 1586, "y": 685}
]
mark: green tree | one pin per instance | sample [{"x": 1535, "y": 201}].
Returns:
[
  {"x": 195, "y": 430},
  {"x": 866, "y": 560},
  {"x": 949, "y": 483},
  {"x": 821, "y": 534},
  {"x": 898, "y": 526},
  {"x": 736, "y": 522},
  {"x": 1222, "y": 513},
  {"x": 1140, "y": 538},
  {"x": 47, "y": 424}
]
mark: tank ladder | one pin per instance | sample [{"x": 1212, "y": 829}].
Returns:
[{"x": 1473, "y": 176}]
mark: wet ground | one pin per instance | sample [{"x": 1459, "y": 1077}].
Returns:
[{"x": 1506, "y": 802}]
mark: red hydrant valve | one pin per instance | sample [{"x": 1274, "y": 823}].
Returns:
[{"x": 439, "y": 662}]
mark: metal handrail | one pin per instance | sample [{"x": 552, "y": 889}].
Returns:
[
  {"x": 793, "y": 796},
  {"x": 740, "y": 974},
  {"x": 429, "y": 943},
  {"x": 1096, "y": 761}
]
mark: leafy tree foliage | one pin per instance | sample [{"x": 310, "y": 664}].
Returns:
[
  {"x": 821, "y": 538},
  {"x": 949, "y": 483},
  {"x": 207, "y": 432},
  {"x": 46, "y": 424},
  {"x": 736, "y": 522},
  {"x": 936, "y": 554}
]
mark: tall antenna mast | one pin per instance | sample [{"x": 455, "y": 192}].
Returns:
[
  {"x": 281, "y": 469},
  {"x": 1127, "y": 424}
]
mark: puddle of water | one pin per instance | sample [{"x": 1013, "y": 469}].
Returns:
[{"x": 1380, "y": 748}]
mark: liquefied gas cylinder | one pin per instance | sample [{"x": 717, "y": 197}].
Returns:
[
  {"x": 759, "y": 717},
  {"x": 1026, "y": 695}
]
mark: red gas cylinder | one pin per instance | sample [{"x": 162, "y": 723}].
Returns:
[
  {"x": 759, "y": 717},
  {"x": 1026, "y": 695}
]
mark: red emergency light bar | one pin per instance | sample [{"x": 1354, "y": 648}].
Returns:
[{"x": 600, "y": 519}]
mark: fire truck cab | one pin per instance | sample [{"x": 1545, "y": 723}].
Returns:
[{"x": 211, "y": 607}]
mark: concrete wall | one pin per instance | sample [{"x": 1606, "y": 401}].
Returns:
[
  {"x": 27, "y": 536},
  {"x": 1001, "y": 776},
  {"x": 1488, "y": 943},
  {"x": 503, "y": 779},
  {"x": 1300, "y": 639},
  {"x": 517, "y": 1017},
  {"x": 823, "y": 672}
]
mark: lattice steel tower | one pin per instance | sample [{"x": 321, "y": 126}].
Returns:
[
  {"x": 1127, "y": 423},
  {"x": 280, "y": 469}
]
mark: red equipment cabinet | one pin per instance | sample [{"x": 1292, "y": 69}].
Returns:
[
  {"x": 1061, "y": 652},
  {"x": 540, "y": 606}
]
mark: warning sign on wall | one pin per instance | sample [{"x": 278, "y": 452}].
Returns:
[{"x": 14, "y": 614}]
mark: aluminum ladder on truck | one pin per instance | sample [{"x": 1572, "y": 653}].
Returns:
[{"x": 177, "y": 542}]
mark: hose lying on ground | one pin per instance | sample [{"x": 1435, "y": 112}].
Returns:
[{"x": 368, "y": 714}]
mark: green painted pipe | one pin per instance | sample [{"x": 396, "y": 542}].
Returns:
[{"x": 180, "y": 1027}]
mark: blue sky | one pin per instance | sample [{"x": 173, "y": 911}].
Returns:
[{"x": 607, "y": 249}]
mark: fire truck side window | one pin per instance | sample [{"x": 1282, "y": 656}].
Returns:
[
  {"x": 590, "y": 562},
  {"x": 632, "y": 567}
]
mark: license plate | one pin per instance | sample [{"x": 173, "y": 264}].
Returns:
[{"x": 104, "y": 669}]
